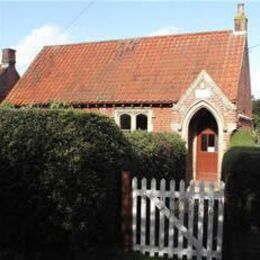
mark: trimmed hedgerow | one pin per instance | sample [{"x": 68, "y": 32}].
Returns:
[
  {"x": 59, "y": 182},
  {"x": 60, "y": 179},
  {"x": 158, "y": 155},
  {"x": 240, "y": 171}
]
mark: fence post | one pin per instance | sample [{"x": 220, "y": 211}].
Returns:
[{"x": 126, "y": 210}]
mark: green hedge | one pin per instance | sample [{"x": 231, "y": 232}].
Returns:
[
  {"x": 241, "y": 173},
  {"x": 60, "y": 179},
  {"x": 59, "y": 182},
  {"x": 158, "y": 155}
]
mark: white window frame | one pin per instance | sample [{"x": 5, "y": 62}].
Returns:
[{"x": 133, "y": 113}]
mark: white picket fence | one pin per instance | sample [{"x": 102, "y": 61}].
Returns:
[{"x": 178, "y": 223}]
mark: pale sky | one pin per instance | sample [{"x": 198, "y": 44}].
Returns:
[{"x": 29, "y": 25}]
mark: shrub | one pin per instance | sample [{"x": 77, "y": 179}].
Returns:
[
  {"x": 6, "y": 105},
  {"x": 241, "y": 172},
  {"x": 59, "y": 182},
  {"x": 159, "y": 155},
  {"x": 59, "y": 105}
]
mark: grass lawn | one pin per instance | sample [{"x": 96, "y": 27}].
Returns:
[
  {"x": 95, "y": 254},
  {"x": 117, "y": 254},
  {"x": 242, "y": 138}
]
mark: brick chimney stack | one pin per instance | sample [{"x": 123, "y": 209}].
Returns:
[
  {"x": 8, "y": 57},
  {"x": 240, "y": 20}
]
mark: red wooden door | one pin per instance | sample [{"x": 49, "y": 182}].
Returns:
[{"x": 207, "y": 155}]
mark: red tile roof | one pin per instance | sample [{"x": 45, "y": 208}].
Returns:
[{"x": 141, "y": 70}]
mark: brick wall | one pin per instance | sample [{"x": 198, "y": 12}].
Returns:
[
  {"x": 8, "y": 79},
  {"x": 107, "y": 111},
  {"x": 244, "y": 101},
  {"x": 161, "y": 116}
]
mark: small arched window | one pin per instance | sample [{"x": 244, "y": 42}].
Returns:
[
  {"x": 125, "y": 122},
  {"x": 141, "y": 122}
]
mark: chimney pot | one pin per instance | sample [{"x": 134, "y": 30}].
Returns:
[
  {"x": 241, "y": 9},
  {"x": 8, "y": 57}
]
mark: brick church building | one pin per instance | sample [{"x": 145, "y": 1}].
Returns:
[{"x": 194, "y": 84}]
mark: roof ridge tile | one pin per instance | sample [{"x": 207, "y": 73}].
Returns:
[{"x": 119, "y": 40}]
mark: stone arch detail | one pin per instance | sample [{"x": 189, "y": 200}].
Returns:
[
  {"x": 194, "y": 108},
  {"x": 187, "y": 118}
]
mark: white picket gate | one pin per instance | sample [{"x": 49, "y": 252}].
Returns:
[{"x": 178, "y": 223}]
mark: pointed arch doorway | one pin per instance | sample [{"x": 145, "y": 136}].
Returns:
[{"x": 203, "y": 151}]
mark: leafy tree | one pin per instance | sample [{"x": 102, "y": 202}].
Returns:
[
  {"x": 256, "y": 106},
  {"x": 256, "y": 118}
]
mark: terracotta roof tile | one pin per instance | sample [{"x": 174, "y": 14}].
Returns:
[{"x": 141, "y": 70}]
